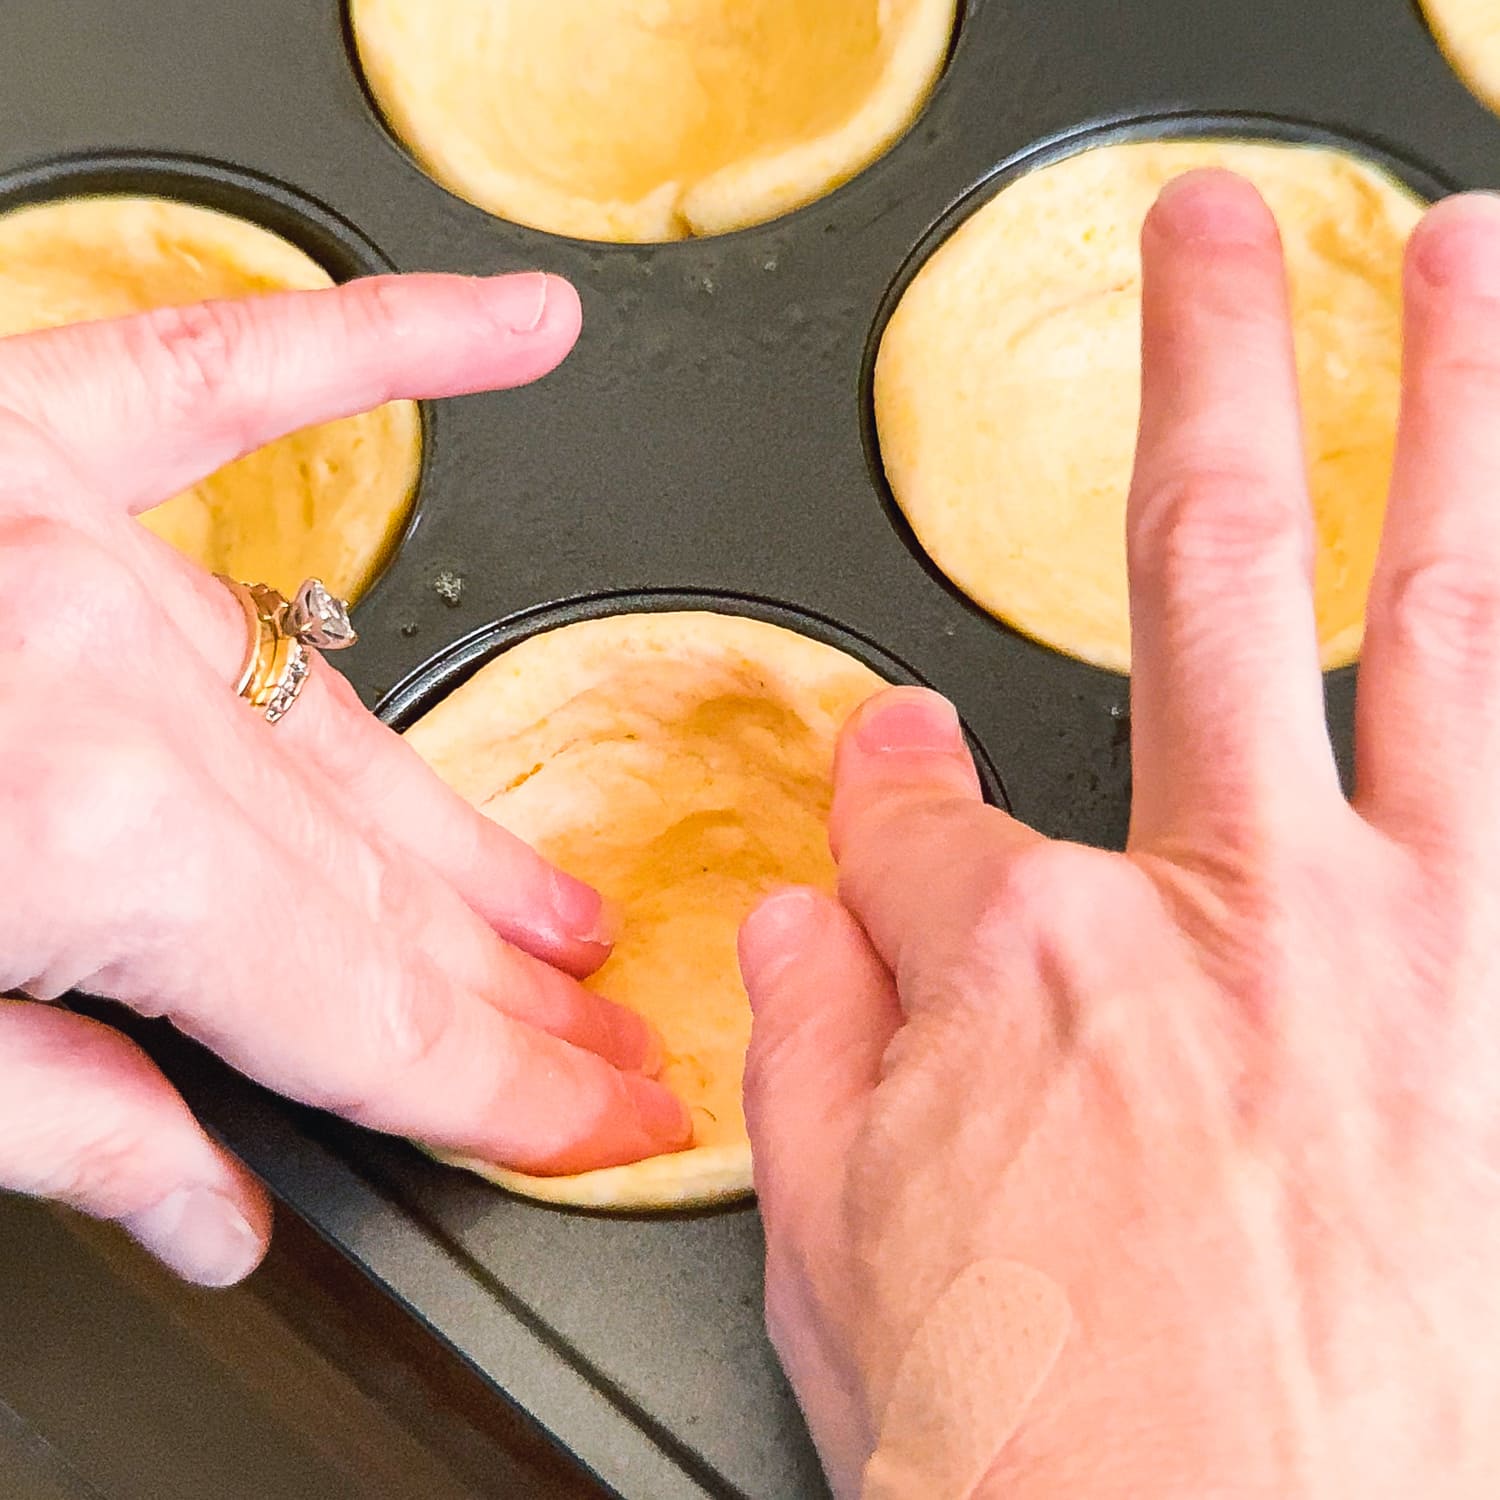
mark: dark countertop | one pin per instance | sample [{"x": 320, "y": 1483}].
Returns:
[{"x": 117, "y": 1383}]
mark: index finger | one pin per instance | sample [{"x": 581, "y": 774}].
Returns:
[
  {"x": 149, "y": 405},
  {"x": 918, "y": 850}
]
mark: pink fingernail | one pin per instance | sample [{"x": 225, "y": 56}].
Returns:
[
  {"x": 532, "y": 291},
  {"x": 910, "y": 721},
  {"x": 638, "y": 1045},
  {"x": 582, "y": 912},
  {"x": 1458, "y": 246},
  {"x": 662, "y": 1115},
  {"x": 198, "y": 1233},
  {"x": 1216, "y": 207},
  {"x": 773, "y": 937}
]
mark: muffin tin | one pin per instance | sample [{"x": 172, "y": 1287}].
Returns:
[{"x": 709, "y": 443}]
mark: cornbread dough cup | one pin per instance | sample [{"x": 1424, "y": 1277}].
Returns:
[
  {"x": 1007, "y": 384},
  {"x": 1468, "y": 31},
  {"x": 682, "y": 763},
  {"x": 651, "y": 119},
  {"x": 329, "y": 501}
]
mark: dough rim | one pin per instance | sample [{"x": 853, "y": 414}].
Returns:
[
  {"x": 740, "y": 195},
  {"x": 700, "y": 1177}
]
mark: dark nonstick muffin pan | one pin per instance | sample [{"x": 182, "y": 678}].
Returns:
[{"x": 708, "y": 444}]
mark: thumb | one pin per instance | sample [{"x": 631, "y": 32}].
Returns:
[
  {"x": 825, "y": 1011},
  {"x": 87, "y": 1120}
]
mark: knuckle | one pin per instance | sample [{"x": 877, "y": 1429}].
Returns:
[
  {"x": 119, "y": 850},
  {"x": 100, "y": 791},
  {"x": 873, "y": 842},
  {"x": 401, "y": 1025},
  {"x": 775, "y": 1040},
  {"x": 188, "y": 352},
  {"x": 408, "y": 1027},
  {"x": 107, "y": 1170},
  {"x": 1210, "y": 521},
  {"x": 109, "y": 1148},
  {"x": 1472, "y": 369},
  {"x": 59, "y": 589},
  {"x": 1028, "y": 893},
  {"x": 35, "y": 466},
  {"x": 1448, "y": 610},
  {"x": 375, "y": 305}
]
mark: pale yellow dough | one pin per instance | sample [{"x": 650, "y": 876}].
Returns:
[
  {"x": 640, "y": 120},
  {"x": 329, "y": 501},
  {"x": 1468, "y": 31},
  {"x": 682, "y": 764},
  {"x": 1007, "y": 387}
]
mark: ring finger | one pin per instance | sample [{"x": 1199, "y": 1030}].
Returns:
[{"x": 1431, "y": 670}]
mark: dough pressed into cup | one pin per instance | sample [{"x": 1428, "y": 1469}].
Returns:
[
  {"x": 1468, "y": 31},
  {"x": 1007, "y": 384},
  {"x": 327, "y": 502},
  {"x": 682, "y": 763},
  {"x": 645, "y": 120}
]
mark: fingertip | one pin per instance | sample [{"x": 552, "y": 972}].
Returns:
[
  {"x": 582, "y": 912},
  {"x": 902, "y": 740},
  {"x": 1456, "y": 247},
  {"x": 535, "y": 305},
  {"x": 662, "y": 1115},
  {"x": 906, "y": 720},
  {"x": 635, "y": 1044},
  {"x": 208, "y": 1234},
  {"x": 535, "y": 319},
  {"x": 562, "y": 311},
  {"x": 774, "y": 936},
  {"x": 1211, "y": 206}
]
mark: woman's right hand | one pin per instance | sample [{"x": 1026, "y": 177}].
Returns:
[
  {"x": 1176, "y": 1173},
  {"x": 307, "y": 899}
]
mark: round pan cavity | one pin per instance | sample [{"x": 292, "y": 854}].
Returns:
[
  {"x": 646, "y": 124},
  {"x": 1032, "y": 554},
  {"x": 679, "y": 760},
  {"x": 1468, "y": 34},
  {"x": 334, "y": 501}
]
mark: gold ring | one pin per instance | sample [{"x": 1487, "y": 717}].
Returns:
[{"x": 281, "y": 637}]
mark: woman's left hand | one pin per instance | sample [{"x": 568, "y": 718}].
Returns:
[{"x": 308, "y": 899}]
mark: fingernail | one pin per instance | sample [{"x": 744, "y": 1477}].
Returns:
[
  {"x": 662, "y": 1115},
  {"x": 1458, "y": 245},
  {"x": 199, "y": 1234},
  {"x": 1215, "y": 206},
  {"x": 638, "y": 1044},
  {"x": 527, "y": 296},
  {"x": 910, "y": 721},
  {"x": 773, "y": 937},
  {"x": 582, "y": 912}
]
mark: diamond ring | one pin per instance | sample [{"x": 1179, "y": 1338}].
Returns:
[{"x": 283, "y": 634}]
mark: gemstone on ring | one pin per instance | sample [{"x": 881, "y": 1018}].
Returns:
[{"x": 318, "y": 619}]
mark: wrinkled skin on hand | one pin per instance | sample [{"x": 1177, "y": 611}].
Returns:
[
  {"x": 1236, "y": 1091},
  {"x": 308, "y": 899}
]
